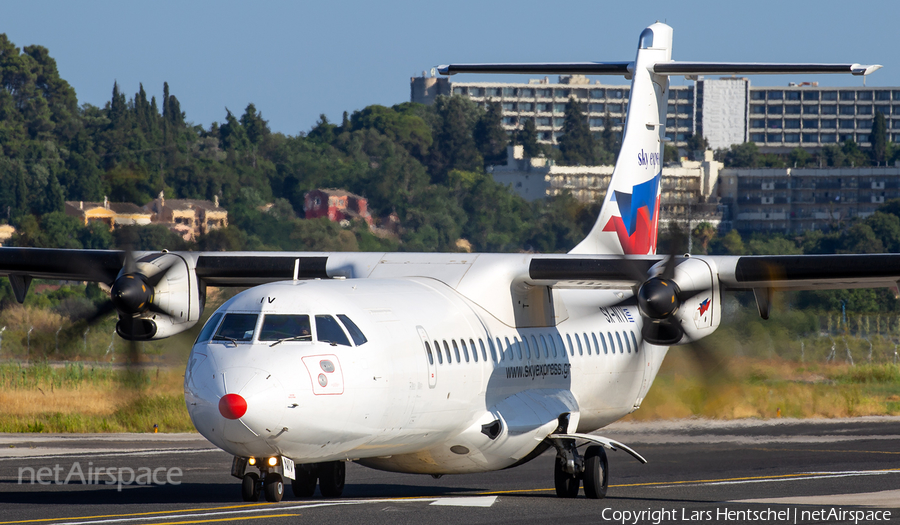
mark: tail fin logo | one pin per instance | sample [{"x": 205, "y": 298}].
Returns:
[{"x": 636, "y": 226}]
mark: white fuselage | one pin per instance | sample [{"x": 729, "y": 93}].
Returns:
[{"x": 393, "y": 403}]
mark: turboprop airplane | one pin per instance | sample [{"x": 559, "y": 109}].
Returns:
[{"x": 449, "y": 363}]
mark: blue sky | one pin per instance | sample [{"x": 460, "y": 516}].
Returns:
[{"x": 295, "y": 60}]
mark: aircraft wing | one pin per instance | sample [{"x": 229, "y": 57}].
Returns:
[
  {"x": 744, "y": 272},
  {"x": 758, "y": 68},
  {"x": 562, "y": 68}
]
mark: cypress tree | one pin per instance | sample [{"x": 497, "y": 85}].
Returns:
[
  {"x": 879, "y": 139},
  {"x": 490, "y": 137},
  {"x": 576, "y": 143}
]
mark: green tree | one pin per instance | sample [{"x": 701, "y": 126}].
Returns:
[
  {"x": 696, "y": 145},
  {"x": 744, "y": 155},
  {"x": 799, "y": 158},
  {"x": 576, "y": 143},
  {"x": 834, "y": 156},
  {"x": 853, "y": 154},
  {"x": 490, "y": 137},
  {"x": 703, "y": 234},
  {"x": 878, "y": 139},
  {"x": 528, "y": 138},
  {"x": 454, "y": 148},
  {"x": 670, "y": 153}
]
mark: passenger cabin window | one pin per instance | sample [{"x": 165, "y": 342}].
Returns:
[
  {"x": 518, "y": 348},
  {"x": 356, "y": 334},
  {"x": 237, "y": 328},
  {"x": 428, "y": 353},
  {"x": 483, "y": 350},
  {"x": 493, "y": 350},
  {"x": 602, "y": 340},
  {"x": 447, "y": 351},
  {"x": 527, "y": 348},
  {"x": 475, "y": 352},
  {"x": 619, "y": 339},
  {"x": 329, "y": 331},
  {"x": 633, "y": 340},
  {"x": 587, "y": 344},
  {"x": 440, "y": 356},
  {"x": 627, "y": 343},
  {"x": 278, "y": 327},
  {"x": 209, "y": 328},
  {"x": 596, "y": 345}
]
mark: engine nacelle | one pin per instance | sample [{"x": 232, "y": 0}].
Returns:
[
  {"x": 699, "y": 315},
  {"x": 177, "y": 300}
]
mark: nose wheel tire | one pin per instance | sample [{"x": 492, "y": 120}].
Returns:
[
  {"x": 304, "y": 483},
  {"x": 250, "y": 487},
  {"x": 596, "y": 472},
  {"x": 566, "y": 484},
  {"x": 331, "y": 478},
  {"x": 274, "y": 487}
]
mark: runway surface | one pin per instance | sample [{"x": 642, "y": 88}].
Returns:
[{"x": 776, "y": 471}]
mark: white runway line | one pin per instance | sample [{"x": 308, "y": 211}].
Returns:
[
  {"x": 94, "y": 453},
  {"x": 475, "y": 501},
  {"x": 464, "y": 501}
]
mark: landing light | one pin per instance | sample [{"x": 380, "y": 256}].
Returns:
[
  {"x": 251, "y": 461},
  {"x": 273, "y": 461}
]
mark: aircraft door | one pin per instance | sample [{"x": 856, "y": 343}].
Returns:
[{"x": 429, "y": 357}]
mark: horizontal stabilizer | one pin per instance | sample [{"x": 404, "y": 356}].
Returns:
[
  {"x": 563, "y": 68},
  {"x": 757, "y": 68}
]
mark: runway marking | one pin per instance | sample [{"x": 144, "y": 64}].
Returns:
[
  {"x": 83, "y": 453},
  {"x": 463, "y": 501},
  {"x": 723, "y": 481},
  {"x": 227, "y": 519},
  {"x": 223, "y": 511},
  {"x": 131, "y": 514}
]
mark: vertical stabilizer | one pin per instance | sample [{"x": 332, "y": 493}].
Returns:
[{"x": 629, "y": 218}]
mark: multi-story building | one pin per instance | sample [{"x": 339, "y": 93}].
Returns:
[
  {"x": 799, "y": 199},
  {"x": 725, "y": 111},
  {"x": 689, "y": 193}
]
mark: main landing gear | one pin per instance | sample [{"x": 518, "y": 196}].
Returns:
[
  {"x": 571, "y": 469},
  {"x": 329, "y": 476},
  {"x": 590, "y": 470}
]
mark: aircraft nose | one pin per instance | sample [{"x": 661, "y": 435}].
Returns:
[{"x": 232, "y": 406}]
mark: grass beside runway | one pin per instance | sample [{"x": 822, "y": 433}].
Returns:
[
  {"x": 745, "y": 387},
  {"x": 84, "y": 398}
]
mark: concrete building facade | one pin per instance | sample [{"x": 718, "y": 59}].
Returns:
[
  {"x": 690, "y": 192},
  {"x": 725, "y": 111},
  {"x": 793, "y": 200}
]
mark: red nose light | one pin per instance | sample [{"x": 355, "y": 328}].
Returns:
[{"x": 232, "y": 406}]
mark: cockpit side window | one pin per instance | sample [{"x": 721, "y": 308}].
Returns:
[
  {"x": 355, "y": 333},
  {"x": 276, "y": 327},
  {"x": 236, "y": 328},
  {"x": 209, "y": 328},
  {"x": 329, "y": 331}
]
